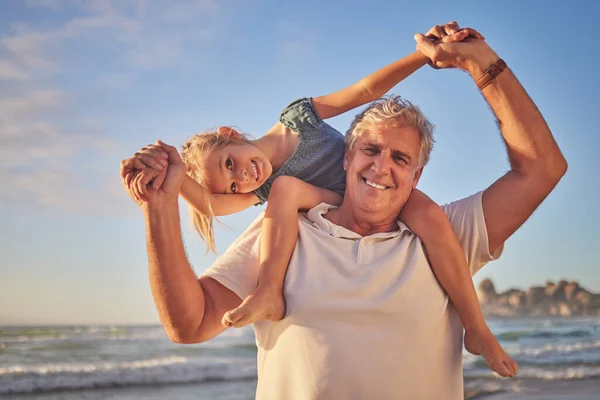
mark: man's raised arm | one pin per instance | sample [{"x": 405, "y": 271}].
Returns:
[
  {"x": 536, "y": 162},
  {"x": 189, "y": 309}
]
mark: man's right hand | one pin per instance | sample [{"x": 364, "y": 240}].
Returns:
[{"x": 166, "y": 182}]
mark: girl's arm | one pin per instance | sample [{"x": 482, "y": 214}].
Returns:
[
  {"x": 214, "y": 204},
  {"x": 373, "y": 86},
  {"x": 149, "y": 166}
]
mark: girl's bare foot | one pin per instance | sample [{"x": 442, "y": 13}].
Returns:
[
  {"x": 260, "y": 305},
  {"x": 484, "y": 343}
]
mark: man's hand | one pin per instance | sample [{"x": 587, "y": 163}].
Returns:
[
  {"x": 151, "y": 162},
  {"x": 166, "y": 182},
  {"x": 449, "y": 46}
]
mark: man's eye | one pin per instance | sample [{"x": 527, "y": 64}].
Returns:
[
  {"x": 233, "y": 188},
  {"x": 399, "y": 160},
  {"x": 370, "y": 151},
  {"x": 228, "y": 163}
]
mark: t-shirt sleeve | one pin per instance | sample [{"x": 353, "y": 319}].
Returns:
[
  {"x": 237, "y": 267},
  {"x": 468, "y": 222},
  {"x": 301, "y": 116}
]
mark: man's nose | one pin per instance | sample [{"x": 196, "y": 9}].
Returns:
[{"x": 381, "y": 165}]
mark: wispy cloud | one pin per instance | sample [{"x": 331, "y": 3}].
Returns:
[
  {"x": 44, "y": 136},
  {"x": 11, "y": 71}
]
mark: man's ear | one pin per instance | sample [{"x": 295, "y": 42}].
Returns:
[
  {"x": 417, "y": 176},
  {"x": 229, "y": 132}
]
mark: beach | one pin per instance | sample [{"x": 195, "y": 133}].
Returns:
[
  {"x": 235, "y": 390},
  {"x": 530, "y": 390},
  {"x": 585, "y": 389},
  {"x": 559, "y": 359}
]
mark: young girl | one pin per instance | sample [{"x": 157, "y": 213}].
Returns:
[{"x": 296, "y": 165}]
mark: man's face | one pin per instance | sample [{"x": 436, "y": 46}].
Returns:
[{"x": 382, "y": 168}]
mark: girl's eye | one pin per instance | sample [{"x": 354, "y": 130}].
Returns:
[
  {"x": 228, "y": 163},
  {"x": 233, "y": 187}
]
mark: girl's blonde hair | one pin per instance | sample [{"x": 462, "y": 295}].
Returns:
[{"x": 194, "y": 153}]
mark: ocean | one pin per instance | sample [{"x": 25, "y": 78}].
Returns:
[{"x": 139, "y": 362}]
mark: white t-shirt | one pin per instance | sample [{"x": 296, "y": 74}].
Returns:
[{"x": 366, "y": 318}]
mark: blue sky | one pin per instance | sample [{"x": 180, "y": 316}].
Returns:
[{"x": 84, "y": 84}]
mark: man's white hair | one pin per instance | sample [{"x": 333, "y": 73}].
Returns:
[{"x": 393, "y": 112}]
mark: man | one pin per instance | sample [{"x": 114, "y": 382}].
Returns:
[{"x": 366, "y": 318}]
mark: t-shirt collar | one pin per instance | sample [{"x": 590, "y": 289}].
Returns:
[{"x": 316, "y": 217}]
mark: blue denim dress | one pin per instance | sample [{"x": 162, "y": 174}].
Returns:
[{"x": 318, "y": 160}]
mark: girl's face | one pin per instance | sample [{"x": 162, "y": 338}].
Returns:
[{"x": 239, "y": 167}]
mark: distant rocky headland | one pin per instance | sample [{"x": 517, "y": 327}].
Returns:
[{"x": 562, "y": 299}]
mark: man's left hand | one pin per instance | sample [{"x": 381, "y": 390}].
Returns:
[{"x": 449, "y": 46}]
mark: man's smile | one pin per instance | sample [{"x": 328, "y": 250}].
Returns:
[{"x": 376, "y": 185}]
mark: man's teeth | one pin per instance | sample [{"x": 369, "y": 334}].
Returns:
[{"x": 376, "y": 186}]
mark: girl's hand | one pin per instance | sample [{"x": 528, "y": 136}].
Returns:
[
  {"x": 147, "y": 165},
  {"x": 152, "y": 156},
  {"x": 138, "y": 182},
  {"x": 136, "y": 176},
  {"x": 133, "y": 183},
  {"x": 436, "y": 44}
]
